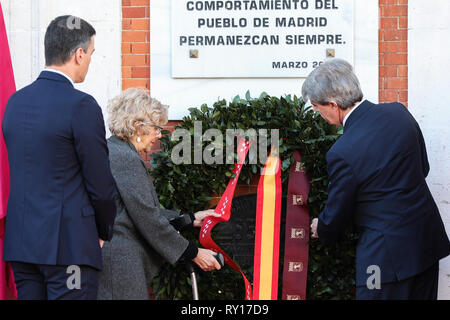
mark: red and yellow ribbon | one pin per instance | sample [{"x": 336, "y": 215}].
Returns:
[{"x": 267, "y": 231}]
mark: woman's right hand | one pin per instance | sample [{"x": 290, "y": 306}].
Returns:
[
  {"x": 201, "y": 215},
  {"x": 206, "y": 260}
]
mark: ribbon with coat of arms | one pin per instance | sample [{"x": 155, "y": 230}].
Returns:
[{"x": 296, "y": 248}]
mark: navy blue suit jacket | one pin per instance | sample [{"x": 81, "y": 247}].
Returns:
[
  {"x": 377, "y": 172},
  {"x": 62, "y": 196}
]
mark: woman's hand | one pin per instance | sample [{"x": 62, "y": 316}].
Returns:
[
  {"x": 206, "y": 260},
  {"x": 200, "y": 215}
]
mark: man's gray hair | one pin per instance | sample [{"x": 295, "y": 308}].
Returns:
[{"x": 335, "y": 81}]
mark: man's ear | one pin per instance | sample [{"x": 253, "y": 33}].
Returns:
[
  {"x": 79, "y": 54},
  {"x": 333, "y": 105}
]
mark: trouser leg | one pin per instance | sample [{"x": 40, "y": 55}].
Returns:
[{"x": 30, "y": 283}]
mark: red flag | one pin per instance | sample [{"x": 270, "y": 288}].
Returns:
[{"x": 7, "y": 88}]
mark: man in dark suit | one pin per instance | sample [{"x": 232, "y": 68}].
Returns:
[
  {"x": 377, "y": 172},
  {"x": 61, "y": 205}
]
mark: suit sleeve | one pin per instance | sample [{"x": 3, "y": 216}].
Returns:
[
  {"x": 136, "y": 191},
  {"x": 89, "y": 138},
  {"x": 342, "y": 190}
]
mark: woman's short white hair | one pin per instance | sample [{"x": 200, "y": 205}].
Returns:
[
  {"x": 131, "y": 106},
  {"x": 335, "y": 81}
]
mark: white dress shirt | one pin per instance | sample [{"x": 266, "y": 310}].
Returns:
[
  {"x": 61, "y": 73},
  {"x": 351, "y": 111}
]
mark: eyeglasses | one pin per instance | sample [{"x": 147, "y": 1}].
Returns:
[{"x": 158, "y": 128}]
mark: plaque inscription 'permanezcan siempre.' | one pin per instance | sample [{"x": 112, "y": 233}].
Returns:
[{"x": 258, "y": 38}]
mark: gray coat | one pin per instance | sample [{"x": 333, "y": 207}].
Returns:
[{"x": 143, "y": 237}]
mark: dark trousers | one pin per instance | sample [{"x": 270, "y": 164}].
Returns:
[
  {"x": 423, "y": 286},
  {"x": 45, "y": 282}
]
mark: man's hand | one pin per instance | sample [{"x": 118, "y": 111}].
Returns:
[
  {"x": 314, "y": 233},
  {"x": 101, "y": 242},
  {"x": 200, "y": 215},
  {"x": 206, "y": 261}
]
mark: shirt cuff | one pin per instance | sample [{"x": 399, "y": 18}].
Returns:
[
  {"x": 326, "y": 236},
  {"x": 190, "y": 252}
]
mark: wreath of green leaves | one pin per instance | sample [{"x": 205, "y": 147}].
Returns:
[{"x": 188, "y": 188}]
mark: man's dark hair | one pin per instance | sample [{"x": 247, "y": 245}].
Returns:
[{"x": 64, "y": 36}]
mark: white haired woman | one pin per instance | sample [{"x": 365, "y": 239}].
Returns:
[{"x": 143, "y": 236}]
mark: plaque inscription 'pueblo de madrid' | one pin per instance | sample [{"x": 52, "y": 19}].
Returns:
[{"x": 258, "y": 38}]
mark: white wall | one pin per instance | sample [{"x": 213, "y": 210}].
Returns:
[
  {"x": 429, "y": 85},
  {"x": 181, "y": 94},
  {"x": 27, "y": 20}
]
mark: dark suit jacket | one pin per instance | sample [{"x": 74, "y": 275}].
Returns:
[
  {"x": 377, "y": 172},
  {"x": 62, "y": 196}
]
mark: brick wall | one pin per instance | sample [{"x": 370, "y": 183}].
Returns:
[
  {"x": 135, "y": 44},
  {"x": 393, "y": 50}
]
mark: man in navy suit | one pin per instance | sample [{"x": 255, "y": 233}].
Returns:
[
  {"x": 61, "y": 205},
  {"x": 377, "y": 172}
]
